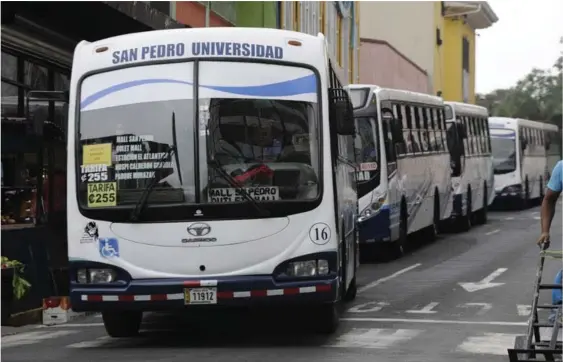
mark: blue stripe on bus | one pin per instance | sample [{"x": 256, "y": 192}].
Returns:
[{"x": 303, "y": 85}]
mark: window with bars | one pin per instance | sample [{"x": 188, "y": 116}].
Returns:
[{"x": 33, "y": 162}]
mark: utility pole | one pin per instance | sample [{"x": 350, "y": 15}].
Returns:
[{"x": 207, "y": 13}]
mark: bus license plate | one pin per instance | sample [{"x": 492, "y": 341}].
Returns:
[{"x": 200, "y": 296}]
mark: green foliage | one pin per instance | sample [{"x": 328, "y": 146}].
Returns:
[
  {"x": 20, "y": 285},
  {"x": 537, "y": 96}
]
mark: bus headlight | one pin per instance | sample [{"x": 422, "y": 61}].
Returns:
[
  {"x": 95, "y": 276},
  {"x": 308, "y": 268},
  {"x": 372, "y": 209},
  {"x": 512, "y": 190}
]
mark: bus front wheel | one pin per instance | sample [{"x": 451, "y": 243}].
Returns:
[
  {"x": 326, "y": 318},
  {"x": 396, "y": 249},
  {"x": 122, "y": 323}
]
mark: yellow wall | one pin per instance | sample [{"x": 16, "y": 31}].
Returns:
[
  {"x": 437, "y": 76},
  {"x": 453, "y": 33}
]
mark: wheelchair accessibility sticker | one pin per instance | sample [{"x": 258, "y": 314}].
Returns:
[{"x": 109, "y": 247}]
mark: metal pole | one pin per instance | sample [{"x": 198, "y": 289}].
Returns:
[{"x": 207, "y": 13}]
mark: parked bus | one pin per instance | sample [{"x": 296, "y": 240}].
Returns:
[
  {"x": 524, "y": 153},
  {"x": 210, "y": 167},
  {"x": 404, "y": 178},
  {"x": 471, "y": 162}
]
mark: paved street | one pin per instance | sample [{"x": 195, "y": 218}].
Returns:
[{"x": 412, "y": 309}]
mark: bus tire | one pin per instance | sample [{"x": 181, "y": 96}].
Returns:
[
  {"x": 122, "y": 323},
  {"x": 326, "y": 318},
  {"x": 465, "y": 220},
  {"x": 352, "y": 291},
  {"x": 396, "y": 249},
  {"x": 481, "y": 216}
]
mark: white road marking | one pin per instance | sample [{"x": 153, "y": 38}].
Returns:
[
  {"x": 509, "y": 218},
  {"x": 368, "y": 307},
  {"x": 492, "y": 232},
  {"x": 485, "y": 307},
  {"x": 537, "y": 217},
  {"x": 387, "y": 278},
  {"x": 524, "y": 310},
  {"x": 485, "y": 283},
  {"x": 375, "y": 338},
  {"x": 74, "y": 325},
  {"x": 489, "y": 343},
  {"x": 425, "y": 310},
  {"x": 435, "y": 321},
  {"x": 26, "y": 338},
  {"x": 98, "y": 342}
]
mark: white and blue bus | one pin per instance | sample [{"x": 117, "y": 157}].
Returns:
[
  {"x": 209, "y": 167},
  {"x": 404, "y": 179},
  {"x": 472, "y": 164},
  {"x": 524, "y": 153}
]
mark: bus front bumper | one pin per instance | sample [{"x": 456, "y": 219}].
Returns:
[
  {"x": 376, "y": 228},
  {"x": 168, "y": 294}
]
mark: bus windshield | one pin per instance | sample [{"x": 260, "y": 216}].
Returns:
[
  {"x": 257, "y": 123},
  {"x": 367, "y": 155},
  {"x": 504, "y": 153}
]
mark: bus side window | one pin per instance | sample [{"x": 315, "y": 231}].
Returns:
[
  {"x": 394, "y": 135},
  {"x": 488, "y": 132},
  {"x": 431, "y": 130},
  {"x": 401, "y": 124},
  {"x": 478, "y": 138},
  {"x": 465, "y": 129},
  {"x": 441, "y": 120},
  {"x": 412, "y": 146},
  {"x": 387, "y": 137},
  {"x": 422, "y": 129},
  {"x": 483, "y": 122}
]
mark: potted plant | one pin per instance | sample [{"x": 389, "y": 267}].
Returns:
[{"x": 14, "y": 286}]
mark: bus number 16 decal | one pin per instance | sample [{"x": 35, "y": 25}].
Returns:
[{"x": 319, "y": 233}]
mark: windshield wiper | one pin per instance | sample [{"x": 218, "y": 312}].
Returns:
[
  {"x": 225, "y": 175},
  {"x": 139, "y": 207}
]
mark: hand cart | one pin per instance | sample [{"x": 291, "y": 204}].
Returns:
[{"x": 532, "y": 347}]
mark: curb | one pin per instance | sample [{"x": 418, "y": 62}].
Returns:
[{"x": 33, "y": 316}]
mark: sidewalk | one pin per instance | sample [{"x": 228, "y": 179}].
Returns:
[{"x": 7, "y": 330}]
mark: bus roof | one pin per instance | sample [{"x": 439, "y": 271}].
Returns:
[
  {"x": 399, "y": 94},
  {"x": 513, "y": 123},
  {"x": 218, "y": 42},
  {"x": 468, "y": 109}
]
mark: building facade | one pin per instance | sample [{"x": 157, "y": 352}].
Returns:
[
  {"x": 338, "y": 21},
  {"x": 396, "y": 44},
  {"x": 38, "y": 41},
  {"x": 198, "y": 14},
  {"x": 423, "y": 46},
  {"x": 459, "y": 21}
]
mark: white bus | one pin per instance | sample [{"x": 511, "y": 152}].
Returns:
[
  {"x": 472, "y": 164},
  {"x": 524, "y": 153},
  {"x": 209, "y": 167},
  {"x": 404, "y": 179}
]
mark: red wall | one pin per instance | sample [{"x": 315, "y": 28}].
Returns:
[
  {"x": 192, "y": 14},
  {"x": 385, "y": 66}
]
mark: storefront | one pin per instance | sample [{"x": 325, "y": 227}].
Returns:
[{"x": 37, "y": 46}]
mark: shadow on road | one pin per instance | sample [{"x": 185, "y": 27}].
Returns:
[{"x": 224, "y": 329}]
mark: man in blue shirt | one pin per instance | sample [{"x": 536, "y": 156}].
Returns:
[{"x": 554, "y": 188}]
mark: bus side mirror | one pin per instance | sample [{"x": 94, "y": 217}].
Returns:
[
  {"x": 387, "y": 117},
  {"x": 524, "y": 143},
  {"x": 341, "y": 114}
]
